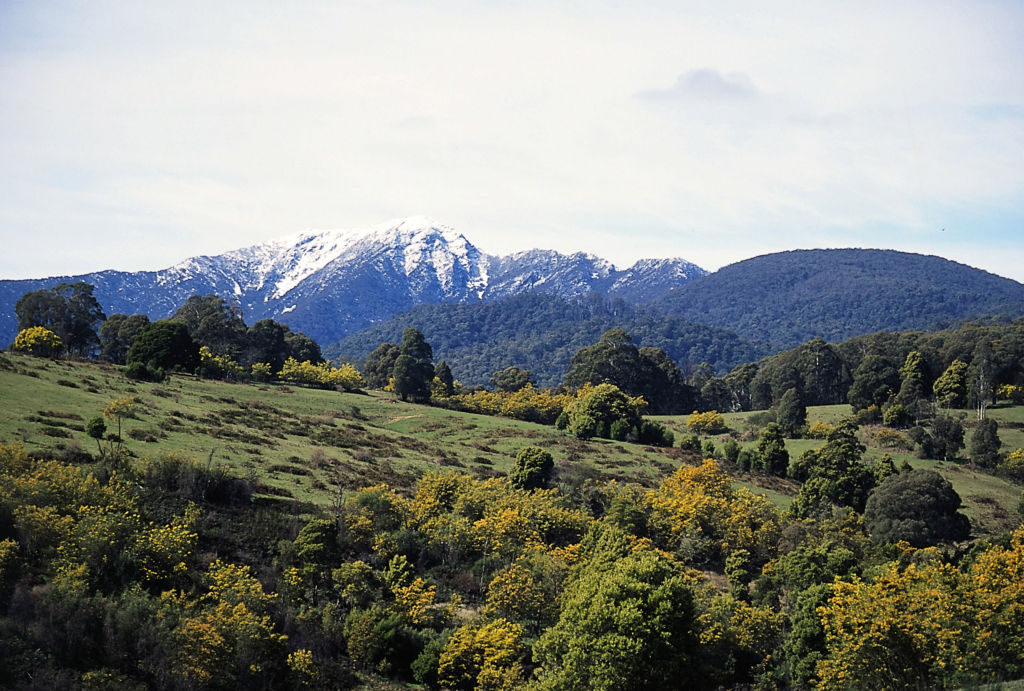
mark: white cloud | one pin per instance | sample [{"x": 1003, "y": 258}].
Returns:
[{"x": 620, "y": 129}]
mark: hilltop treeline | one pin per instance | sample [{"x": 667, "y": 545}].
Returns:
[{"x": 825, "y": 373}]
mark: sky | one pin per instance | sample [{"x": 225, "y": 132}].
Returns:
[{"x": 136, "y": 134}]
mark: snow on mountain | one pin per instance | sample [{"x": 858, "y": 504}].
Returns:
[{"x": 332, "y": 282}]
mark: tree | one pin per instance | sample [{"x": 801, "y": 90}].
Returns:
[
  {"x": 647, "y": 372},
  {"x": 511, "y": 379},
  {"x": 792, "y": 414},
  {"x": 596, "y": 409},
  {"x": 380, "y": 365},
  {"x": 414, "y": 368},
  {"x": 981, "y": 379},
  {"x": 947, "y": 437},
  {"x": 302, "y": 347},
  {"x": 874, "y": 381},
  {"x": 950, "y": 388},
  {"x": 612, "y": 360},
  {"x": 624, "y": 623},
  {"x": 837, "y": 475},
  {"x": 771, "y": 450},
  {"x": 265, "y": 342},
  {"x": 69, "y": 310},
  {"x": 214, "y": 322},
  {"x": 96, "y": 428},
  {"x": 715, "y": 395},
  {"x": 532, "y": 469},
  {"x": 919, "y": 507},
  {"x": 118, "y": 333},
  {"x": 443, "y": 374},
  {"x": 37, "y": 340},
  {"x": 166, "y": 345},
  {"x": 984, "y": 444}
]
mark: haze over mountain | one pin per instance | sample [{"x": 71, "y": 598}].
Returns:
[{"x": 331, "y": 283}]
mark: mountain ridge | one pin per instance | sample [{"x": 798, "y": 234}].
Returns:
[
  {"x": 840, "y": 293},
  {"x": 331, "y": 283}
]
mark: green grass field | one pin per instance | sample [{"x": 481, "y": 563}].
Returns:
[
  {"x": 990, "y": 502},
  {"x": 311, "y": 444},
  {"x": 302, "y": 443}
]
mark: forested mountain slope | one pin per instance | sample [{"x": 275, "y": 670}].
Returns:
[
  {"x": 791, "y": 297},
  {"x": 541, "y": 333}
]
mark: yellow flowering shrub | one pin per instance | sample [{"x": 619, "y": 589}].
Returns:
[
  {"x": 710, "y": 422},
  {"x": 346, "y": 377},
  {"x": 698, "y": 504},
  {"x": 485, "y": 656}
]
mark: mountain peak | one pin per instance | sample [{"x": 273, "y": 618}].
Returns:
[{"x": 328, "y": 283}]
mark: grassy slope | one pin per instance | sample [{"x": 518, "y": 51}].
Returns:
[
  {"x": 990, "y": 502},
  {"x": 303, "y": 443},
  {"x": 309, "y": 444}
]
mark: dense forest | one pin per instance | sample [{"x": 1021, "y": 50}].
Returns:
[
  {"x": 541, "y": 333},
  {"x": 791, "y": 297}
]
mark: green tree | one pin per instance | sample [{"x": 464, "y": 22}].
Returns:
[
  {"x": 792, "y": 414},
  {"x": 613, "y": 360},
  {"x": 647, "y": 372},
  {"x": 624, "y": 623},
  {"x": 118, "y": 333},
  {"x": 950, "y": 388},
  {"x": 984, "y": 444},
  {"x": 874, "y": 381},
  {"x": 597, "y": 408},
  {"x": 532, "y": 468},
  {"x": 96, "y": 428},
  {"x": 302, "y": 347},
  {"x": 70, "y": 310},
  {"x": 444, "y": 373},
  {"x": 265, "y": 342},
  {"x": 837, "y": 475},
  {"x": 511, "y": 379},
  {"x": 215, "y": 323},
  {"x": 166, "y": 345},
  {"x": 919, "y": 507},
  {"x": 380, "y": 365},
  {"x": 716, "y": 395},
  {"x": 414, "y": 368},
  {"x": 772, "y": 456},
  {"x": 947, "y": 437}
]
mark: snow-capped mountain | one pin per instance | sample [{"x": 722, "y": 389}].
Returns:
[{"x": 331, "y": 283}]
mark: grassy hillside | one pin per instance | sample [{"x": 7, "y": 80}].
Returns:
[
  {"x": 309, "y": 444},
  {"x": 172, "y": 578},
  {"x": 990, "y": 502},
  {"x": 300, "y": 443}
]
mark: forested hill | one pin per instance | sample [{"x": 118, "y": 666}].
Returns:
[
  {"x": 541, "y": 333},
  {"x": 791, "y": 297}
]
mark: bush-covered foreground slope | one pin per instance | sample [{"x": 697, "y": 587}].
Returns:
[{"x": 161, "y": 571}]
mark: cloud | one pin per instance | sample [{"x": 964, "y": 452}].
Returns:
[
  {"x": 705, "y": 85},
  {"x": 717, "y": 131}
]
